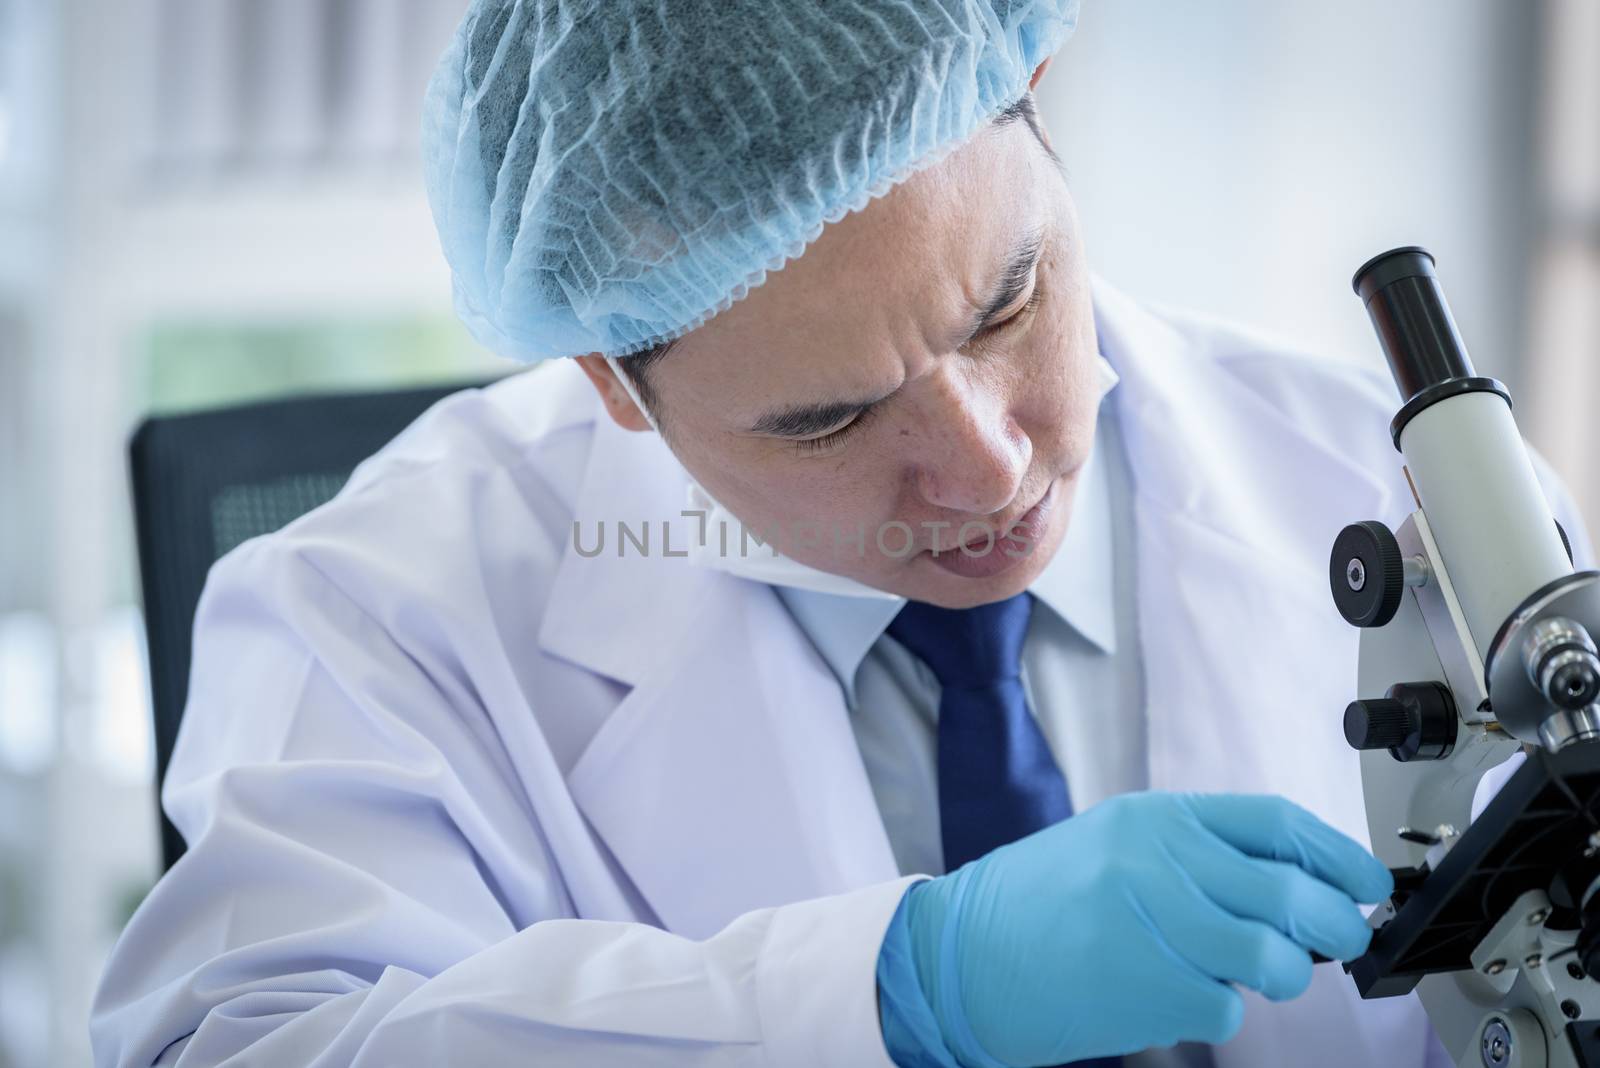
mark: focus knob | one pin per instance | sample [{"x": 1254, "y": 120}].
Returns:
[
  {"x": 1376, "y": 724},
  {"x": 1367, "y": 574},
  {"x": 1414, "y": 721}
]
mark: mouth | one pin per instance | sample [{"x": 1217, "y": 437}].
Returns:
[
  {"x": 1001, "y": 547},
  {"x": 1021, "y": 528}
]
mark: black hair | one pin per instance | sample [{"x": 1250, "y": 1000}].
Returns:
[{"x": 637, "y": 367}]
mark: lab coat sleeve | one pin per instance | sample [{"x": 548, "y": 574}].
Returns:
[{"x": 355, "y": 894}]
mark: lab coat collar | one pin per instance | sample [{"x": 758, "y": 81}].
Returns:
[
  {"x": 720, "y": 708},
  {"x": 611, "y": 611},
  {"x": 1206, "y": 471},
  {"x": 1077, "y": 583}
]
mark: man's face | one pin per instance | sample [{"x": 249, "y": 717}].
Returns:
[{"x": 918, "y": 382}]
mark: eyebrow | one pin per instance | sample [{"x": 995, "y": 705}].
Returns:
[{"x": 806, "y": 420}]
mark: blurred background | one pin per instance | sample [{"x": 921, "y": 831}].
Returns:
[{"x": 209, "y": 201}]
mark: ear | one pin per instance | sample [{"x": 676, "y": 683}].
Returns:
[
  {"x": 1033, "y": 83},
  {"x": 623, "y": 411}
]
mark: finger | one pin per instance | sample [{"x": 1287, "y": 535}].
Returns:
[
  {"x": 1187, "y": 1006},
  {"x": 1223, "y": 1017},
  {"x": 1274, "y": 828},
  {"x": 1303, "y": 908},
  {"x": 1228, "y": 948}
]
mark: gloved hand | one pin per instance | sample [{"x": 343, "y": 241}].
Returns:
[{"x": 1122, "y": 928}]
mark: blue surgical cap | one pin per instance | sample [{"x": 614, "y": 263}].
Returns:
[{"x": 606, "y": 175}]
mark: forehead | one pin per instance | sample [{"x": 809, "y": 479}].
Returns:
[{"x": 878, "y": 288}]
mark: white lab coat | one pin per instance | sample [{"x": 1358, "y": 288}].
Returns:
[{"x": 457, "y": 794}]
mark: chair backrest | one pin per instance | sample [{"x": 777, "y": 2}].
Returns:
[{"x": 205, "y": 482}]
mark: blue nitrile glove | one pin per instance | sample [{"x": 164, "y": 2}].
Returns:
[{"x": 1121, "y": 929}]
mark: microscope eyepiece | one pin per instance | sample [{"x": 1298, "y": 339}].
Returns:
[
  {"x": 1407, "y": 261},
  {"x": 1426, "y": 355},
  {"x": 1414, "y": 324}
]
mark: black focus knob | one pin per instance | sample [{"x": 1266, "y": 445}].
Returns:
[
  {"x": 1367, "y": 574},
  {"x": 1414, "y": 721},
  {"x": 1376, "y": 724}
]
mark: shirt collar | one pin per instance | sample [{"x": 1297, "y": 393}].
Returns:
[{"x": 1077, "y": 584}]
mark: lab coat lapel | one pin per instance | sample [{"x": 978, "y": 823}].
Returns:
[
  {"x": 728, "y": 778},
  {"x": 1247, "y": 663},
  {"x": 1237, "y": 629}
]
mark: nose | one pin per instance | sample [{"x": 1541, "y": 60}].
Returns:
[{"x": 971, "y": 456}]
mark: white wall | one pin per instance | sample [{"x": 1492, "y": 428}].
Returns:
[{"x": 1246, "y": 157}]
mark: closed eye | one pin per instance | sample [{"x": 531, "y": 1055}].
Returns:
[
  {"x": 806, "y": 446},
  {"x": 995, "y": 330},
  {"x": 990, "y": 332}
]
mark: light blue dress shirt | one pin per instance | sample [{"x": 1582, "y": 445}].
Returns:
[{"x": 1081, "y": 668}]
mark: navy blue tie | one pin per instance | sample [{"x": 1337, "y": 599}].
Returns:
[{"x": 997, "y": 779}]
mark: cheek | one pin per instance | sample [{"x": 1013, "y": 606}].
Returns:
[
  {"x": 1085, "y": 399},
  {"x": 779, "y": 489},
  {"x": 858, "y": 487},
  {"x": 1061, "y": 394}
]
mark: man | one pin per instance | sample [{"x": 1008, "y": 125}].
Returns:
[{"x": 519, "y": 751}]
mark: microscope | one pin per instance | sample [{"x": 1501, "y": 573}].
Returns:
[{"x": 1477, "y": 644}]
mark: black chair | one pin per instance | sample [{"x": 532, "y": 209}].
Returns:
[{"x": 205, "y": 482}]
